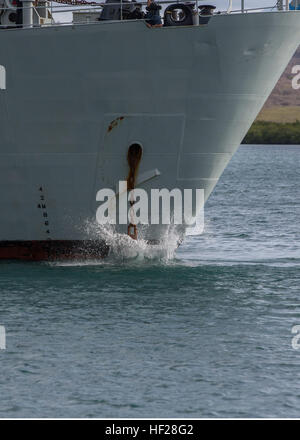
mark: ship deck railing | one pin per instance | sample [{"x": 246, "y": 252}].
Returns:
[{"x": 90, "y": 6}]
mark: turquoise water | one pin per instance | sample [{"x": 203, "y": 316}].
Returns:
[{"x": 204, "y": 334}]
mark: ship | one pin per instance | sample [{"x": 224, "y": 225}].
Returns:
[{"x": 76, "y": 97}]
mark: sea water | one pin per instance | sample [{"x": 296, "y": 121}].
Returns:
[{"x": 205, "y": 331}]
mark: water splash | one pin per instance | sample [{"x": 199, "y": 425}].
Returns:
[{"x": 123, "y": 247}]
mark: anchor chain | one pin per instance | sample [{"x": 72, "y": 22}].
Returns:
[
  {"x": 132, "y": 227},
  {"x": 133, "y": 158}
]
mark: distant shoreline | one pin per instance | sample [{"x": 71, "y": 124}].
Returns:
[
  {"x": 270, "y": 145},
  {"x": 273, "y": 133}
]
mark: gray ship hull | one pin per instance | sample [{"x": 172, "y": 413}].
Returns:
[{"x": 76, "y": 97}]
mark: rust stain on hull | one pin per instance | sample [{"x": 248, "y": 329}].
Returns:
[
  {"x": 134, "y": 157},
  {"x": 114, "y": 123}
]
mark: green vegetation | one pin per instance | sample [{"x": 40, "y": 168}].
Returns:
[
  {"x": 266, "y": 132},
  {"x": 280, "y": 114}
]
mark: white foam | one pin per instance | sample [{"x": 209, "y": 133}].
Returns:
[
  {"x": 121, "y": 246},
  {"x": 124, "y": 248}
]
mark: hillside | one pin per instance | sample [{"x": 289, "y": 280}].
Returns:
[{"x": 279, "y": 120}]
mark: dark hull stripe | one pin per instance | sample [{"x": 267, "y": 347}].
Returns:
[{"x": 50, "y": 250}]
